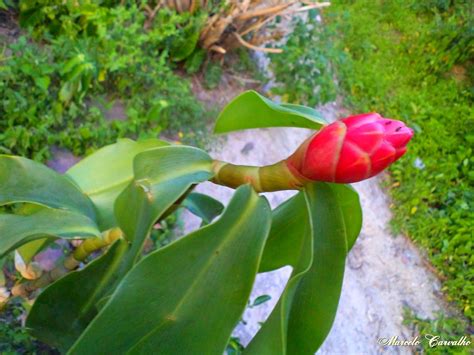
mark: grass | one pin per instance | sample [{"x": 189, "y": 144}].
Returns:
[{"x": 413, "y": 61}]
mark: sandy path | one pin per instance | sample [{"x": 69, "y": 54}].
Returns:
[{"x": 383, "y": 272}]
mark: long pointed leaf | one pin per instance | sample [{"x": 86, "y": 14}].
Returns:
[
  {"x": 187, "y": 297},
  {"x": 290, "y": 242},
  {"x": 24, "y": 180},
  {"x": 17, "y": 230},
  {"x": 315, "y": 301},
  {"x": 161, "y": 177},
  {"x": 112, "y": 169},
  {"x": 64, "y": 309},
  {"x": 305, "y": 312},
  {"x": 252, "y": 110}
]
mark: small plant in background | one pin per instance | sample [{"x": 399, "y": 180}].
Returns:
[
  {"x": 107, "y": 205},
  {"x": 443, "y": 326},
  {"x": 212, "y": 75},
  {"x": 304, "y": 70},
  {"x": 14, "y": 338},
  {"x": 63, "y": 93}
]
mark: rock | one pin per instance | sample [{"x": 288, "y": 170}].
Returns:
[{"x": 62, "y": 159}]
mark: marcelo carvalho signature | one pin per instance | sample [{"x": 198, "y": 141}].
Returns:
[{"x": 432, "y": 340}]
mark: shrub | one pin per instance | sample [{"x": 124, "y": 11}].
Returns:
[
  {"x": 304, "y": 71},
  {"x": 57, "y": 93}
]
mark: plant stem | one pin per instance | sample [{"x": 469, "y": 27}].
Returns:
[
  {"x": 268, "y": 178},
  {"x": 70, "y": 263}
]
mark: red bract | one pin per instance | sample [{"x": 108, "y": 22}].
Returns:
[{"x": 352, "y": 149}]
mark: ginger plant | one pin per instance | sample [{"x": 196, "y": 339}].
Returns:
[{"x": 188, "y": 296}]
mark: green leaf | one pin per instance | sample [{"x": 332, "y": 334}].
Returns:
[
  {"x": 43, "y": 82},
  {"x": 161, "y": 177},
  {"x": 29, "y": 250},
  {"x": 187, "y": 297},
  {"x": 112, "y": 170},
  {"x": 23, "y": 180},
  {"x": 315, "y": 301},
  {"x": 203, "y": 206},
  {"x": 67, "y": 91},
  {"x": 287, "y": 226},
  {"x": 349, "y": 204},
  {"x": 183, "y": 47},
  {"x": 64, "y": 309},
  {"x": 290, "y": 224},
  {"x": 272, "y": 337},
  {"x": 18, "y": 230},
  {"x": 252, "y": 110},
  {"x": 261, "y": 299},
  {"x": 306, "y": 310}
]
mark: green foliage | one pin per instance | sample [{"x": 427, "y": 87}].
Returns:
[
  {"x": 18, "y": 230},
  {"x": 113, "y": 168},
  {"x": 15, "y": 339},
  {"x": 64, "y": 92},
  {"x": 304, "y": 70},
  {"x": 157, "y": 299},
  {"x": 37, "y": 184},
  {"x": 447, "y": 328},
  {"x": 167, "y": 314},
  {"x": 413, "y": 61},
  {"x": 203, "y": 206},
  {"x": 161, "y": 177},
  {"x": 212, "y": 75},
  {"x": 63, "y": 310},
  {"x": 300, "y": 322},
  {"x": 252, "y": 110}
]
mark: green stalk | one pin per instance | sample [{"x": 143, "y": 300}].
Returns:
[
  {"x": 70, "y": 263},
  {"x": 268, "y": 178}
]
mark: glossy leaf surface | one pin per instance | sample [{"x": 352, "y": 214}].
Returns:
[
  {"x": 252, "y": 110},
  {"x": 64, "y": 309},
  {"x": 287, "y": 226},
  {"x": 296, "y": 243},
  {"x": 305, "y": 312},
  {"x": 24, "y": 180},
  {"x": 203, "y": 206},
  {"x": 187, "y": 297},
  {"x": 290, "y": 223},
  {"x": 104, "y": 175},
  {"x": 18, "y": 230},
  {"x": 161, "y": 177},
  {"x": 316, "y": 299}
]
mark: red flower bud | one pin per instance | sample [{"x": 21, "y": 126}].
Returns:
[{"x": 352, "y": 149}]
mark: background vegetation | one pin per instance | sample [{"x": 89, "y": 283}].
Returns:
[
  {"x": 63, "y": 78},
  {"x": 61, "y": 88},
  {"x": 415, "y": 62}
]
